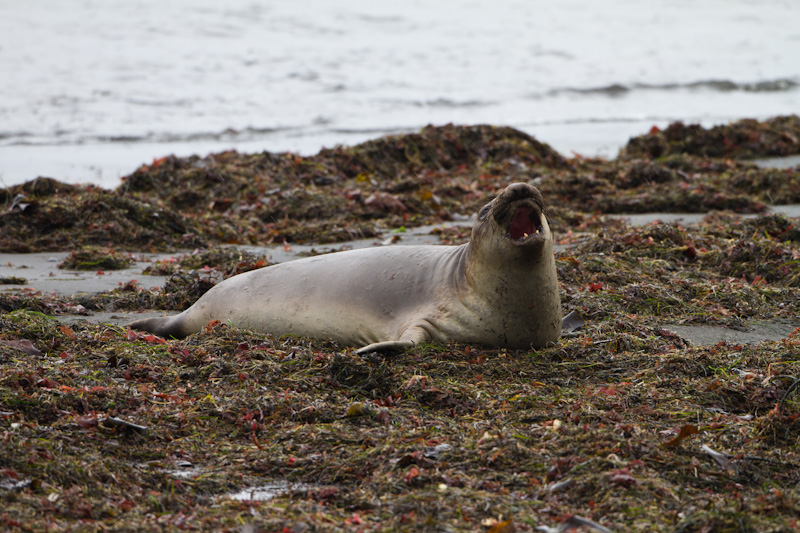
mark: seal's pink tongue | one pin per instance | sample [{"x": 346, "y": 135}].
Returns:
[{"x": 521, "y": 225}]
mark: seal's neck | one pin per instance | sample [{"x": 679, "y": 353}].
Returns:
[{"x": 506, "y": 275}]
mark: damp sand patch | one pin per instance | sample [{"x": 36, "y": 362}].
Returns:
[
  {"x": 265, "y": 492},
  {"x": 41, "y": 272},
  {"x": 754, "y": 332},
  {"x": 792, "y": 161},
  {"x": 642, "y": 219}
]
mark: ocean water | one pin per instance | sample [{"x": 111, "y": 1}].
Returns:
[{"x": 91, "y": 89}]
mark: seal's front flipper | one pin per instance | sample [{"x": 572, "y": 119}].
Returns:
[
  {"x": 386, "y": 348},
  {"x": 410, "y": 337}
]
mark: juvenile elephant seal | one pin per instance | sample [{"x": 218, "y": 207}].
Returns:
[{"x": 499, "y": 290}]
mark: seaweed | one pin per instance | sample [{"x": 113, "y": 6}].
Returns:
[
  {"x": 96, "y": 259},
  {"x": 744, "y": 139},
  {"x": 623, "y": 424},
  {"x": 46, "y": 216},
  {"x": 345, "y": 193}
]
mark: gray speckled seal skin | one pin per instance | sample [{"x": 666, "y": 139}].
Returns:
[{"x": 499, "y": 290}]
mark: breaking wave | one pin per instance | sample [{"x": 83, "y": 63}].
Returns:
[{"x": 726, "y": 86}]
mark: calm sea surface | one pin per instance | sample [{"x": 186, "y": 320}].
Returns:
[{"x": 90, "y": 89}]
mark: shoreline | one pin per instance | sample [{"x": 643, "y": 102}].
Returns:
[{"x": 103, "y": 164}]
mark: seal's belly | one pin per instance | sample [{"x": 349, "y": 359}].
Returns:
[{"x": 358, "y": 297}]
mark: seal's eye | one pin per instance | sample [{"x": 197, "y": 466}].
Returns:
[{"x": 484, "y": 212}]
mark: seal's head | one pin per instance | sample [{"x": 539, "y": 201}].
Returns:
[
  {"x": 514, "y": 223},
  {"x": 511, "y": 271}
]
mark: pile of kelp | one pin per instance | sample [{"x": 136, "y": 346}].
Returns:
[
  {"x": 744, "y": 139},
  {"x": 623, "y": 424},
  {"x": 438, "y": 174}
]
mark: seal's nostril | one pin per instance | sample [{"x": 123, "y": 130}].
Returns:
[{"x": 518, "y": 190}]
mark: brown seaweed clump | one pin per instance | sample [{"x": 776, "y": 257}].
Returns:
[
  {"x": 44, "y": 214},
  {"x": 676, "y": 183},
  {"x": 229, "y": 198},
  {"x": 342, "y": 193},
  {"x": 96, "y": 259},
  {"x": 744, "y": 139},
  {"x": 439, "y": 174}
]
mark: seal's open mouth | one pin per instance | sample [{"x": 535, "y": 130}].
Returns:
[
  {"x": 518, "y": 213},
  {"x": 525, "y": 224}
]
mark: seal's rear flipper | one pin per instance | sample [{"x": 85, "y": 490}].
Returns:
[
  {"x": 386, "y": 348},
  {"x": 571, "y": 322},
  {"x": 164, "y": 326}
]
